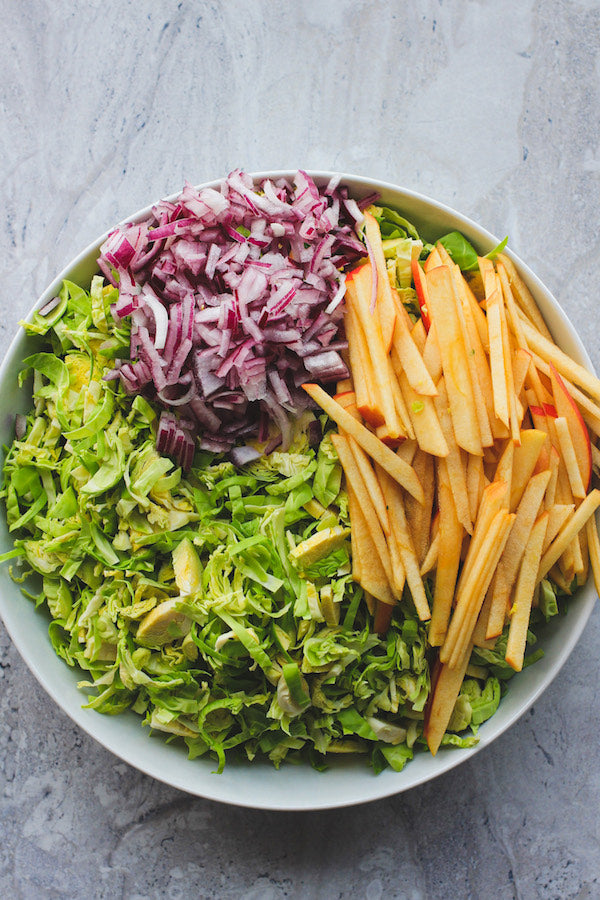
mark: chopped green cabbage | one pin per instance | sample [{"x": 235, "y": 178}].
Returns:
[
  {"x": 177, "y": 596},
  {"x": 219, "y": 605}
]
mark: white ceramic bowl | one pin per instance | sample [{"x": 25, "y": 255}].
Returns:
[{"x": 259, "y": 785}]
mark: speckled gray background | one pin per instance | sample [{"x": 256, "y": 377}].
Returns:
[{"x": 489, "y": 106}]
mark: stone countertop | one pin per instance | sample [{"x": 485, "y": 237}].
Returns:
[{"x": 490, "y": 107}]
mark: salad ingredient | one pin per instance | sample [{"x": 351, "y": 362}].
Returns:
[
  {"x": 499, "y": 479},
  {"x": 234, "y": 298},
  {"x": 400, "y": 470}
]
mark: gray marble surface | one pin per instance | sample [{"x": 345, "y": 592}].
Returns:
[{"x": 489, "y": 106}]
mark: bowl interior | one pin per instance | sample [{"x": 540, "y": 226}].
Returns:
[{"x": 258, "y": 784}]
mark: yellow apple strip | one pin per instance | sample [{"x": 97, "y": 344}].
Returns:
[
  {"x": 582, "y": 537},
  {"x": 443, "y": 309},
  {"x": 355, "y": 480},
  {"x": 557, "y": 516},
  {"x": 371, "y": 483},
  {"x": 526, "y": 583},
  {"x": 407, "y": 451},
  {"x": 472, "y": 593},
  {"x": 566, "y": 366},
  {"x": 474, "y": 484},
  {"x": 348, "y": 402},
  {"x": 358, "y": 295},
  {"x": 511, "y": 307},
  {"x": 398, "y": 570},
  {"x": 399, "y": 401},
  {"x": 430, "y": 561},
  {"x": 445, "y": 691},
  {"x": 371, "y": 602},
  {"x": 451, "y": 538},
  {"x": 488, "y": 276},
  {"x": 570, "y": 459},
  {"x": 497, "y": 365},
  {"x": 553, "y": 464},
  {"x": 523, "y": 296},
  {"x": 508, "y": 371},
  {"x": 504, "y": 469},
  {"x": 385, "y": 304},
  {"x": 423, "y": 418},
  {"x": 508, "y": 567},
  {"x": 521, "y": 363},
  {"x": 433, "y": 260},
  {"x": 400, "y": 471},
  {"x": 594, "y": 550},
  {"x": 454, "y": 460},
  {"x": 475, "y": 354},
  {"x": 480, "y": 372},
  {"x": 412, "y": 361},
  {"x": 524, "y": 463},
  {"x": 372, "y": 576},
  {"x": 479, "y": 638},
  {"x": 431, "y": 354},
  {"x": 570, "y": 561},
  {"x": 355, "y": 544},
  {"x": 419, "y": 514},
  {"x": 559, "y": 579},
  {"x": 466, "y": 296},
  {"x": 483, "y": 421},
  {"x": 578, "y": 564},
  {"x": 343, "y": 386},
  {"x": 359, "y": 365},
  {"x": 444, "y": 257},
  {"x": 522, "y": 356},
  {"x": 493, "y": 501},
  {"x": 419, "y": 336},
  {"x": 491, "y": 456},
  {"x": 595, "y": 456},
  {"x": 401, "y": 534},
  {"x": 493, "y": 290},
  {"x": 569, "y": 531}
]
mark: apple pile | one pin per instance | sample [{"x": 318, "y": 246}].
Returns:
[{"x": 465, "y": 443}]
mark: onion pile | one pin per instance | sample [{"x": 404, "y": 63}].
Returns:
[{"x": 234, "y": 297}]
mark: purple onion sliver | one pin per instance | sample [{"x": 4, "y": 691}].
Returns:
[
  {"x": 20, "y": 426},
  {"x": 241, "y": 456}
]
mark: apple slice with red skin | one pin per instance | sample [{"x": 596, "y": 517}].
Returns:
[
  {"x": 421, "y": 290},
  {"x": 353, "y": 272},
  {"x": 567, "y": 408},
  {"x": 383, "y": 617},
  {"x": 384, "y": 436}
]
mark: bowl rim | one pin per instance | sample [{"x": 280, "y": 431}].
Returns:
[{"x": 371, "y": 787}]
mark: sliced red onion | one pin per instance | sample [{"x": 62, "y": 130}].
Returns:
[
  {"x": 339, "y": 296},
  {"x": 241, "y": 456},
  {"x": 20, "y": 426},
  {"x": 48, "y": 307},
  {"x": 327, "y": 366},
  {"x": 354, "y": 210},
  {"x": 161, "y": 317},
  {"x": 236, "y": 294}
]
